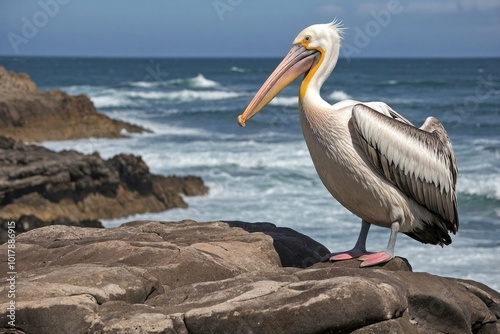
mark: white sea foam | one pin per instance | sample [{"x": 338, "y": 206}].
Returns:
[
  {"x": 107, "y": 97},
  {"x": 480, "y": 184},
  {"x": 79, "y": 89},
  {"x": 151, "y": 95},
  {"x": 105, "y": 147},
  {"x": 286, "y": 101},
  {"x": 114, "y": 97},
  {"x": 202, "y": 82},
  {"x": 198, "y": 81},
  {"x": 201, "y": 154},
  {"x": 486, "y": 141},
  {"x": 107, "y": 101},
  {"x": 237, "y": 69},
  {"x": 339, "y": 95},
  {"x": 164, "y": 129},
  {"x": 143, "y": 84},
  {"x": 185, "y": 95}
]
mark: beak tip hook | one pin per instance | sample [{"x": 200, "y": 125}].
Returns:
[{"x": 241, "y": 121}]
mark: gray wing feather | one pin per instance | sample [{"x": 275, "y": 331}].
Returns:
[{"x": 419, "y": 162}]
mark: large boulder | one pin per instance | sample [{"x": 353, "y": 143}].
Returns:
[
  {"x": 29, "y": 114},
  {"x": 224, "y": 277}
]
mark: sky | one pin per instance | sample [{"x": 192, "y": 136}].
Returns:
[{"x": 246, "y": 28}]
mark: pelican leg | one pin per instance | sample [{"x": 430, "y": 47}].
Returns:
[
  {"x": 358, "y": 250},
  {"x": 382, "y": 257}
]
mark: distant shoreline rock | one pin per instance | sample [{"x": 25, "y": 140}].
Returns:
[
  {"x": 40, "y": 187},
  {"x": 32, "y": 115},
  {"x": 224, "y": 277}
]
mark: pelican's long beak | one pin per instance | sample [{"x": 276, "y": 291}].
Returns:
[{"x": 298, "y": 61}]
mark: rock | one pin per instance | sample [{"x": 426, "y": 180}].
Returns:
[
  {"x": 39, "y": 187},
  {"x": 11, "y": 82},
  {"x": 225, "y": 277},
  {"x": 28, "y": 222},
  {"x": 29, "y": 114}
]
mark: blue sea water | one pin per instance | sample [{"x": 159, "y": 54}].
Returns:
[{"x": 263, "y": 172}]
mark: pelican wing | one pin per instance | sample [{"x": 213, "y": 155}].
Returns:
[
  {"x": 419, "y": 162},
  {"x": 383, "y": 108}
]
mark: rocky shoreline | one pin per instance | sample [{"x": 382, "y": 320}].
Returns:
[
  {"x": 39, "y": 187},
  {"x": 32, "y": 115},
  {"x": 225, "y": 277}
]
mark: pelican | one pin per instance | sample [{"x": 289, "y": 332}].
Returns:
[{"x": 371, "y": 159}]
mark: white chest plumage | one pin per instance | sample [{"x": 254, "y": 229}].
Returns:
[{"x": 345, "y": 172}]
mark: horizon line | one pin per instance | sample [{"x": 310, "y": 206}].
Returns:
[{"x": 239, "y": 57}]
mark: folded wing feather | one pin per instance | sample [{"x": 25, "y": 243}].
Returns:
[{"x": 419, "y": 162}]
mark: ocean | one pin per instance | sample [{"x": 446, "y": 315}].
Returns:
[{"x": 263, "y": 172}]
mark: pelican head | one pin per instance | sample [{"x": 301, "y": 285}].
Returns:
[{"x": 314, "y": 53}]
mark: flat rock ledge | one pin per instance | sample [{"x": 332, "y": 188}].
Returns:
[
  {"x": 33, "y": 115},
  {"x": 224, "y": 277}
]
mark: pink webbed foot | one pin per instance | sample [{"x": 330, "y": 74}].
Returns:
[
  {"x": 375, "y": 258},
  {"x": 342, "y": 256}
]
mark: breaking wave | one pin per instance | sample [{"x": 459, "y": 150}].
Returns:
[
  {"x": 198, "y": 81},
  {"x": 185, "y": 95},
  {"x": 339, "y": 95},
  {"x": 237, "y": 69},
  {"x": 480, "y": 185},
  {"x": 143, "y": 84},
  {"x": 286, "y": 101}
]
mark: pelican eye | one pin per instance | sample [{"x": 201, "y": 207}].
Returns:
[{"x": 307, "y": 39}]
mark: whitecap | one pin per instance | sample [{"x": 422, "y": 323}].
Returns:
[
  {"x": 185, "y": 95},
  {"x": 169, "y": 130},
  {"x": 107, "y": 101},
  {"x": 108, "y": 97},
  {"x": 286, "y": 101},
  {"x": 79, "y": 89},
  {"x": 339, "y": 95},
  {"x": 237, "y": 69},
  {"x": 143, "y": 84},
  {"x": 153, "y": 95},
  {"x": 486, "y": 141},
  {"x": 105, "y": 147},
  {"x": 124, "y": 132},
  {"x": 480, "y": 185},
  {"x": 198, "y": 81},
  {"x": 202, "y": 82}
]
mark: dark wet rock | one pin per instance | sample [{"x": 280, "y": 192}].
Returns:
[
  {"x": 39, "y": 187},
  {"x": 226, "y": 277}
]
